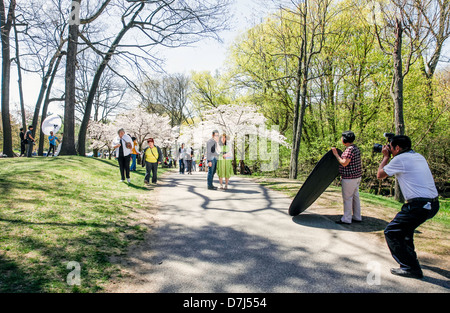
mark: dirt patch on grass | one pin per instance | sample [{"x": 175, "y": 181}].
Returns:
[{"x": 134, "y": 263}]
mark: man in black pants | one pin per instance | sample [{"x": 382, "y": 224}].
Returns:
[
  {"x": 151, "y": 157},
  {"x": 22, "y": 142},
  {"x": 123, "y": 145},
  {"x": 421, "y": 202},
  {"x": 30, "y": 141}
]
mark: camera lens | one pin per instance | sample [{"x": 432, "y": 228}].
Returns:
[{"x": 377, "y": 148}]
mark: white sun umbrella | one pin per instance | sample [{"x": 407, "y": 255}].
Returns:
[{"x": 52, "y": 123}]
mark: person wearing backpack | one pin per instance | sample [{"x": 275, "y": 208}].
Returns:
[
  {"x": 29, "y": 141},
  {"x": 151, "y": 157},
  {"x": 134, "y": 153}
]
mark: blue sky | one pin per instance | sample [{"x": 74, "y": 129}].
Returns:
[{"x": 208, "y": 54}]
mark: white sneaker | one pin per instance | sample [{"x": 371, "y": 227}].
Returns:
[
  {"x": 128, "y": 180},
  {"x": 121, "y": 181}
]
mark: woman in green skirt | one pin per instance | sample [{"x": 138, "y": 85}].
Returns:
[{"x": 224, "y": 163}]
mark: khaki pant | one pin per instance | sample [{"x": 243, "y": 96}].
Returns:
[{"x": 350, "y": 195}]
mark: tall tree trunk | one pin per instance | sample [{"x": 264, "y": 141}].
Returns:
[
  {"x": 92, "y": 93},
  {"x": 37, "y": 107},
  {"x": 95, "y": 82},
  {"x": 19, "y": 78},
  {"x": 46, "y": 102},
  {"x": 397, "y": 93},
  {"x": 301, "y": 118},
  {"x": 397, "y": 81},
  {"x": 68, "y": 143},
  {"x": 6, "y": 23},
  {"x": 330, "y": 100},
  {"x": 299, "y": 110},
  {"x": 293, "y": 165}
]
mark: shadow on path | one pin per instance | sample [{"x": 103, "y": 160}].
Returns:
[
  {"x": 220, "y": 259},
  {"x": 369, "y": 224}
]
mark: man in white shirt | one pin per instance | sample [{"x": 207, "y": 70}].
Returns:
[
  {"x": 421, "y": 202},
  {"x": 188, "y": 158},
  {"x": 123, "y": 145}
]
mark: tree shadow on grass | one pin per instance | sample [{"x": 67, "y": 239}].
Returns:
[
  {"x": 108, "y": 162},
  {"x": 42, "y": 266},
  {"x": 14, "y": 279}
]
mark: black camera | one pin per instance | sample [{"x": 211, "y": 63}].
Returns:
[{"x": 378, "y": 147}]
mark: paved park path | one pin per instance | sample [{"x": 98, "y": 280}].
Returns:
[{"x": 243, "y": 240}]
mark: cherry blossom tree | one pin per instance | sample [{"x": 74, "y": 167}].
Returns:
[
  {"x": 101, "y": 136},
  {"x": 242, "y": 123},
  {"x": 143, "y": 125}
]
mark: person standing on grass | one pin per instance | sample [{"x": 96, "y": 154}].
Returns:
[
  {"x": 151, "y": 157},
  {"x": 351, "y": 173},
  {"x": 123, "y": 145},
  {"x": 29, "y": 141},
  {"x": 421, "y": 202},
  {"x": 22, "y": 142},
  {"x": 224, "y": 163},
  {"x": 212, "y": 154},
  {"x": 52, "y": 140},
  {"x": 134, "y": 152}
]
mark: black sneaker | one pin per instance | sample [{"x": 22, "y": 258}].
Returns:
[
  {"x": 404, "y": 273},
  {"x": 212, "y": 188}
]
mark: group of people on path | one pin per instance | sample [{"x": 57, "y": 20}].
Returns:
[
  {"x": 127, "y": 149},
  {"x": 27, "y": 142},
  {"x": 186, "y": 160},
  {"x": 218, "y": 159}
]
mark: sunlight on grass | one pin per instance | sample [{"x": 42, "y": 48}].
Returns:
[{"x": 57, "y": 210}]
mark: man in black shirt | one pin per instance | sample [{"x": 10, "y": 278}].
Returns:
[
  {"x": 22, "y": 142},
  {"x": 30, "y": 141}
]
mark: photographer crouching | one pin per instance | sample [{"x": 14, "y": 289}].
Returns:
[{"x": 421, "y": 201}]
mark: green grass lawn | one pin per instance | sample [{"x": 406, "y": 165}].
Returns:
[{"x": 57, "y": 210}]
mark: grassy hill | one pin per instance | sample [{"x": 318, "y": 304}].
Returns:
[{"x": 57, "y": 210}]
